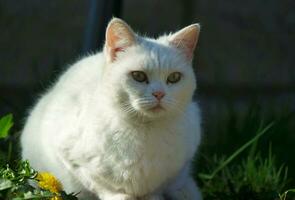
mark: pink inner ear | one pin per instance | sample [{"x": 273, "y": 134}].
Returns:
[
  {"x": 186, "y": 40},
  {"x": 118, "y": 38},
  {"x": 118, "y": 49},
  {"x": 187, "y": 47},
  {"x": 114, "y": 51}
]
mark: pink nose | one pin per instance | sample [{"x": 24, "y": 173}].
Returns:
[{"x": 158, "y": 94}]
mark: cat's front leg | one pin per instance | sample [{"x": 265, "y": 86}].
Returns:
[
  {"x": 188, "y": 191},
  {"x": 183, "y": 187},
  {"x": 153, "y": 197},
  {"x": 111, "y": 196}
]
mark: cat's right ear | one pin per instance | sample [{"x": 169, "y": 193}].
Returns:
[{"x": 119, "y": 36}]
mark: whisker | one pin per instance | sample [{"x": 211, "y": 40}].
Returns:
[
  {"x": 172, "y": 104},
  {"x": 129, "y": 110}
]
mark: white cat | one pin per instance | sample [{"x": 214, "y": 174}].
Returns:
[{"x": 121, "y": 124}]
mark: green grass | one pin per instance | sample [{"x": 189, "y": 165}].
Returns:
[
  {"x": 236, "y": 153},
  {"x": 253, "y": 177},
  {"x": 251, "y": 161},
  {"x": 283, "y": 196}
]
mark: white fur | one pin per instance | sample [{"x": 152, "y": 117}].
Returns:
[{"x": 93, "y": 129}]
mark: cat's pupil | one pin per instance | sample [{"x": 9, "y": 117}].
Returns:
[
  {"x": 174, "y": 77},
  {"x": 139, "y": 76}
]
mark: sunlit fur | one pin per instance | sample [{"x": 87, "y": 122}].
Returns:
[{"x": 96, "y": 131}]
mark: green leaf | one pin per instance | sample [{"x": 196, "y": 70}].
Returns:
[
  {"x": 5, "y": 125},
  {"x": 5, "y": 184},
  {"x": 35, "y": 194},
  {"x": 70, "y": 196},
  {"x": 38, "y": 195}
]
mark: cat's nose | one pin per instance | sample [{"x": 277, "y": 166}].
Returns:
[{"x": 158, "y": 94}]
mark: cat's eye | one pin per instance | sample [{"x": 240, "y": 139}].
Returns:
[
  {"x": 139, "y": 76},
  {"x": 174, "y": 77}
]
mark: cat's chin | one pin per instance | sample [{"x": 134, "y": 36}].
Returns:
[
  {"x": 157, "y": 109},
  {"x": 155, "y": 112}
]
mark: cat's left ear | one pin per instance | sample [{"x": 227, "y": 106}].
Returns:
[
  {"x": 186, "y": 39},
  {"x": 119, "y": 36}
]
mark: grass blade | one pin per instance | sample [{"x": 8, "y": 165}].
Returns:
[
  {"x": 5, "y": 125},
  {"x": 236, "y": 153}
]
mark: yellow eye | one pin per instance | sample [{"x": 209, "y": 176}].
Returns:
[
  {"x": 139, "y": 76},
  {"x": 174, "y": 77}
]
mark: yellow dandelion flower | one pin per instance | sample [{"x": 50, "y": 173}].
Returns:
[
  {"x": 48, "y": 182},
  {"x": 56, "y": 198}
]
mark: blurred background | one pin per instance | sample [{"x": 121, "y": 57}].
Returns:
[{"x": 244, "y": 60}]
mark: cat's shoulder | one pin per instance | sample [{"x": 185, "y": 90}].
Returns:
[
  {"x": 193, "y": 109},
  {"x": 79, "y": 77},
  {"x": 84, "y": 69}
]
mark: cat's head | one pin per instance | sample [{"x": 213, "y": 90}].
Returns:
[{"x": 149, "y": 77}]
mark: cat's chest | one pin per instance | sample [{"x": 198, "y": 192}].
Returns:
[
  {"x": 145, "y": 156},
  {"x": 140, "y": 143}
]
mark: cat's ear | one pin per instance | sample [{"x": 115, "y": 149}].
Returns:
[
  {"x": 186, "y": 39},
  {"x": 119, "y": 36}
]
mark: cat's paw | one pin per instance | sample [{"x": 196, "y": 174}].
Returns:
[
  {"x": 186, "y": 195},
  {"x": 152, "y": 197},
  {"x": 118, "y": 197}
]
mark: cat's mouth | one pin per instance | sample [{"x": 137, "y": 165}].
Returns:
[{"x": 157, "y": 108}]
